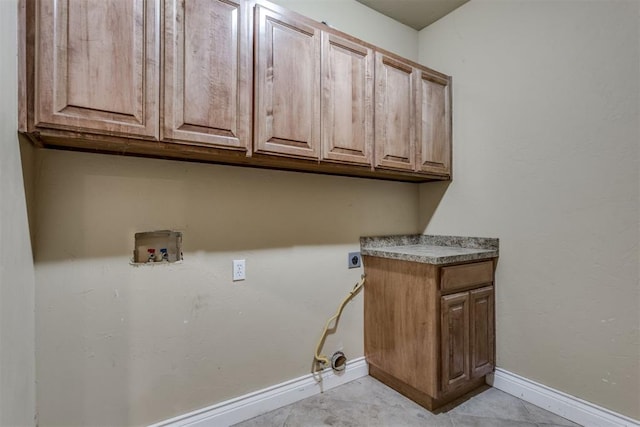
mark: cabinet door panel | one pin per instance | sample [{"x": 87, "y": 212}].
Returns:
[
  {"x": 347, "y": 100},
  {"x": 455, "y": 340},
  {"x": 287, "y": 114},
  {"x": 394, "y": 114},
  {"x": 482, "y": 331},
  {"x": 434, "y": 130},
  {"x": 207, "y": 83},
  {"x": 97, "y": 66}
]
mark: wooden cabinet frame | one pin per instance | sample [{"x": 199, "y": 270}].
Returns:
[
  {"x": 395, "y": 113},
  {"x": 74, "y": 76},
  {"x": 347, "y": 100},
  {"x": 482, "y": 331},
  {"x": 467, "y": 336},
  {"x": 71, "y": 97},
  {"x": 454, "y": 341},
  {"x": 207, "y": 80},
  {"x": 433, "y": 147},
  {"x": 287, "y": 85},
  {"x": 429, "y": 343}
]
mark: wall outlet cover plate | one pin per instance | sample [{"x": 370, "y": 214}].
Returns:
[
  {"x": 354, "y": 260},
  {"x": 239, "y": 270}
]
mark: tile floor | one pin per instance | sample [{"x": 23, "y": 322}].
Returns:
[{"x": 368, "y": 402}]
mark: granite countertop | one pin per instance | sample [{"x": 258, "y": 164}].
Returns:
[{"x": 430, "y": 249}]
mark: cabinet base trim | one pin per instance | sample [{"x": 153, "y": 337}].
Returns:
[
  {"x": 562, "y": 404},
  {"x": 208, "y": 153},
  {"x": 262, "y": 401},
  {"x": 422, "y": 398}
]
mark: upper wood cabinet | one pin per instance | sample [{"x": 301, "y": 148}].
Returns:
[
  {"x": 434, "y": 124},
  {"x": 287, "y": 85},
  {"x": 347, "y": 100},
  {"x": 395, "y": 113},
  {"x": 207, "y": 73},
  {"x": 242, "y": 82},
  {"x": 413, "y": 117},
  {"x": 97, "y": 66}
]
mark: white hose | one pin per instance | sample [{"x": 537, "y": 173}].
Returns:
[{"x": 323, "y": 360}]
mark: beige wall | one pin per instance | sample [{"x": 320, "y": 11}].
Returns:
[
  {"x": 546, "y": 140},
  {"x": 360, "y": 21},
  {"x": 546, "y": 158},
  {"x": 17, "y": 382},
  {"x": 132, "y": 345}
]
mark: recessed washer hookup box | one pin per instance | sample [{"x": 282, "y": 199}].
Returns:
[{"x": 158, "y": 246}]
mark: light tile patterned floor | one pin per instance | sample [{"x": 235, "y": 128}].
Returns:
[{"x": 368, "y": 402}]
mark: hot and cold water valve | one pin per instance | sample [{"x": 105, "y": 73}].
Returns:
[
  {"x": 158, "y": 246},
  {"x": 163, "y": 255}
]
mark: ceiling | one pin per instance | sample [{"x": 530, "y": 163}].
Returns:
[{"x": 414, "y": 13}]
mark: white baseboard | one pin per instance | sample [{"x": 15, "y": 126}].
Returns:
[
  {"x": 259, "y": 402},
  {"x": 562, "y": 404}
]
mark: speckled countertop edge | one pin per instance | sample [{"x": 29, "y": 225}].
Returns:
[{"x": 375, "y": 246}]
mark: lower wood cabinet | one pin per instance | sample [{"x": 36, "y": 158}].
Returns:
[
  {"x": 429, "y": 329},
  {"x": 466, "y": 336},
  {"x": 455, "y": 340},
  {"x": 482, "y": 331}
]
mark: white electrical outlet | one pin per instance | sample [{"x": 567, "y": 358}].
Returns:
[
  {"x": 238, "y": 270},
  {"x": 354, "y": 260}
]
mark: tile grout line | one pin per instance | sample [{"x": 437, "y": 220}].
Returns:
[
  {"x": 498, "y": 418},
  {"x": 284, "y": 423}
]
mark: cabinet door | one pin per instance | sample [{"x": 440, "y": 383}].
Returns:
[
  {"x": 455, "y": 340},
  {"x": 395, "y": 130},
  {"x": 97, "y": 66},
  {"x": 434, "y": 125},
  {"x": 207, "y": 84},
  {"x": 347, "y": 100},
  {"x": 482, "y": 331},
  {"x": 287, "y": 85}
]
